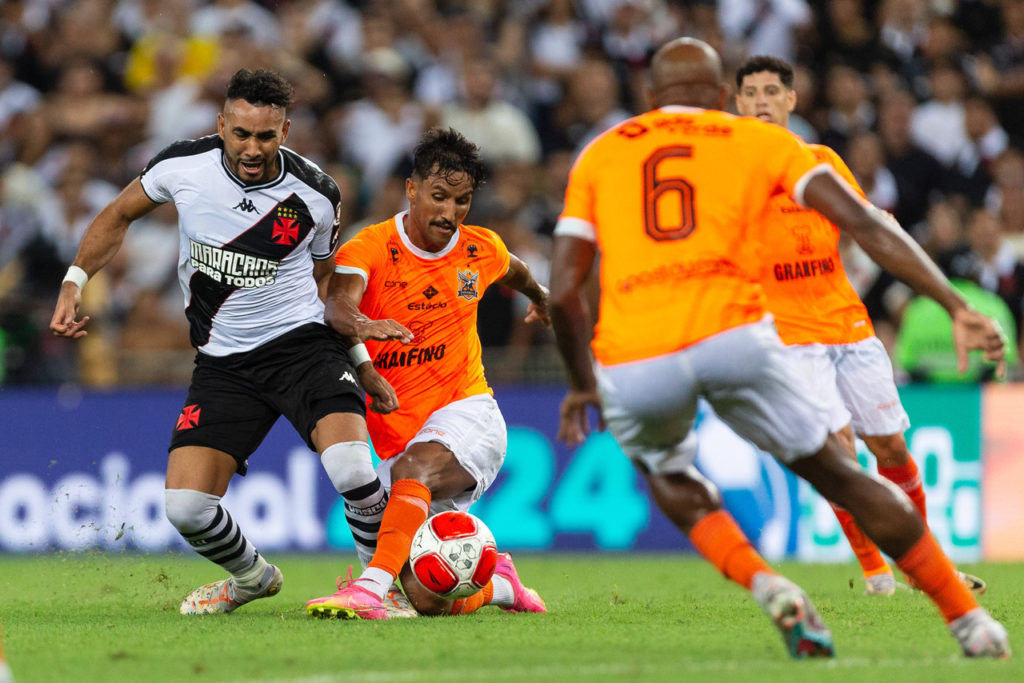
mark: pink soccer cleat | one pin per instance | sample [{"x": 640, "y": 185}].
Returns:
[
  {"x": 351, "y": 601},
  {"x": 527, "y": 599}
]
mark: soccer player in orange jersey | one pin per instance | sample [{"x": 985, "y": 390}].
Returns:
[
  {"x": 445, "y": 442},
  {"x": 823, "y": 321},
  {"x": 673, "y": 201}
]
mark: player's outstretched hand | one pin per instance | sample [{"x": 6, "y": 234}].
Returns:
[
  {"x": 384, "y": 398},
  {"x": 974, "y": 331},
  {"x": 63, "y": 323},
  {"x": 573, "y": 421},
  {"x": 538, "y": 310},
  {"x": 384, "y": 330}
]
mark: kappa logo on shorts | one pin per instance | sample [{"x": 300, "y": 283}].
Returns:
[
  {"x": 347, "y": 377},
  {"x": 188, "y": 419}
]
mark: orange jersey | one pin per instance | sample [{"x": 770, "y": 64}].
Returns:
[
  {"x": 807, "y": 288},
  {"x": 675, "y": 199},
  {"x": 436, "y": 296}
]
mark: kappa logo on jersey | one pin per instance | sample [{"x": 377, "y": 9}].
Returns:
[
  {"x": 393, "y": 250},
  {"x": 471, "y": 250},
  {"x": 467, "y": 284},
  {"x": 802, "y": 233},
  {"x": 286, "y": 226},
  {"x": 347, "y": 377},
  {"x": 430, "y": 292},
  {"x": 188, "y": 419},
  {"x": 246, "y": 205}
]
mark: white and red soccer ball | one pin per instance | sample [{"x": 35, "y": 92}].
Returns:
[{"x": 453, "y": 554}]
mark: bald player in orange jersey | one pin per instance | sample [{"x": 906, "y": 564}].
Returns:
[
  {"x": 826, "y": 326},
  {"x": 443, "y": 444},
  {"x": 672, "y": 200}
]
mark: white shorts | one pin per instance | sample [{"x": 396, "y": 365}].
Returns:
[
  {"x": 815, "y": 363},
  {"x": 474, "y": 430},
  {"x": 744, "y": 373},
  {"x": 865, "y": 383}
]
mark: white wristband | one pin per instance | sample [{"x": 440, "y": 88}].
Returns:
[
  {"x": 358, "y": 354},
  {"x": 76, "y": 275}
]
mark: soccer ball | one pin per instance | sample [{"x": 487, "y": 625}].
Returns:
[{"x": 453, "y": 554}]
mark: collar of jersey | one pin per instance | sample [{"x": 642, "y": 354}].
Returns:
[
  {"x": 422, "y": 253},
  {"x": 680, "y": 109},
  {"x": 249, "y": 188}
]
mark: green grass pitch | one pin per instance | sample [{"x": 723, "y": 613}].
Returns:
[{"x": 114, "y": 617}]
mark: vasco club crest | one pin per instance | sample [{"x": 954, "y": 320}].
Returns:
[{"x": 467, "y": 284}]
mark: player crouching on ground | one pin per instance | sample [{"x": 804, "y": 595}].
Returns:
[{"x": 444, "y": 444}]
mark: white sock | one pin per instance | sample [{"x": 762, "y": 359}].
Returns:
[
  {"x": 376, "y": 580},
  {"x": 503, "y": 593},
  {"x": 250, "y": 578}
]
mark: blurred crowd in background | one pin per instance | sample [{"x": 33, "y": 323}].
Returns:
[{"x": 924, "y": 99}]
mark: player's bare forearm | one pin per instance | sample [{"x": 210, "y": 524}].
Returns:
[
  {"x": 342, "y": 314},
  {"x": 882, "y": 239},
  {"x": 521, "y": 279},
  {"x": 569, "y": 320},
  {"x": 571, "y": 262},
  {"x": 101, "y": 241},
  {"x": 105, "y": 234},
  {"x": 897, "y": 252}
]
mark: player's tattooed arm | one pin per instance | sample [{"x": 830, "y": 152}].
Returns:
[{"x": 521, "y": 279}]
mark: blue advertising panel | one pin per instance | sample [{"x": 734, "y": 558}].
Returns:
[{"x": 86, "y": 470}]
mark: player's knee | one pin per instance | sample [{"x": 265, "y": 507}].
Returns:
[
  {"x": 684, "y": 497},
  {"x": 348, "y": 465},
  {"x": 432, "y": 467},
  {"x": 890, "y": 450},
  {"x": 422, "y": 600},
  {"x": 190, "y": 511}
]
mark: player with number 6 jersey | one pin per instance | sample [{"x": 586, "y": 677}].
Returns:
[{"x": 673, "y": 200}]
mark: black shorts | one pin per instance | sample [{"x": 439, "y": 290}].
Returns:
[{"x": 234, "y": 400}]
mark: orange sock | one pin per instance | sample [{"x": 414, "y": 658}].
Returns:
[
  {"x": 406, "y": 510},
  {"x": 933, "y": 573},
  {"x": 908, "y": 478},
  {"x": 475, "y": 601},
  {"x": 722, "y": 542},
  {"x": 868, "y": 555}
]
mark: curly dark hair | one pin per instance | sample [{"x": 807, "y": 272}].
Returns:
[
  {"x": 261, "y": 88},
  {"x": 760, "y": 63},
  {"x": 445, "y": 153}
]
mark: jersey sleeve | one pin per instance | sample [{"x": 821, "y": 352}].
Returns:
[
  {"x": 360, "y": 255},
  {"x": 159, "y": 180},
  {"x": 791, "y": 162},
  {"x": 498, "y": 265},
  {"x": 829, "y": 156},
  {"x": 578, "y": 219},
  {"x": 328, "y": 229}
]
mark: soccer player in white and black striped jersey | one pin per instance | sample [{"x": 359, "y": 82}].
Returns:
[{"x": 258, "y": 229}]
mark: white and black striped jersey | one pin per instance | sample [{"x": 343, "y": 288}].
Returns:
[{"x": 246, "y": 252}]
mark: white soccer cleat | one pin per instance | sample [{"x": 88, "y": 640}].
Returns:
[
  {"x": 794, "y": 615},
  {"x": 881, "y": 585},
  {"x": 227, "y": 596},
  {"x": 980, "y": 635},
  {"x": 397, "y": 605}
]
